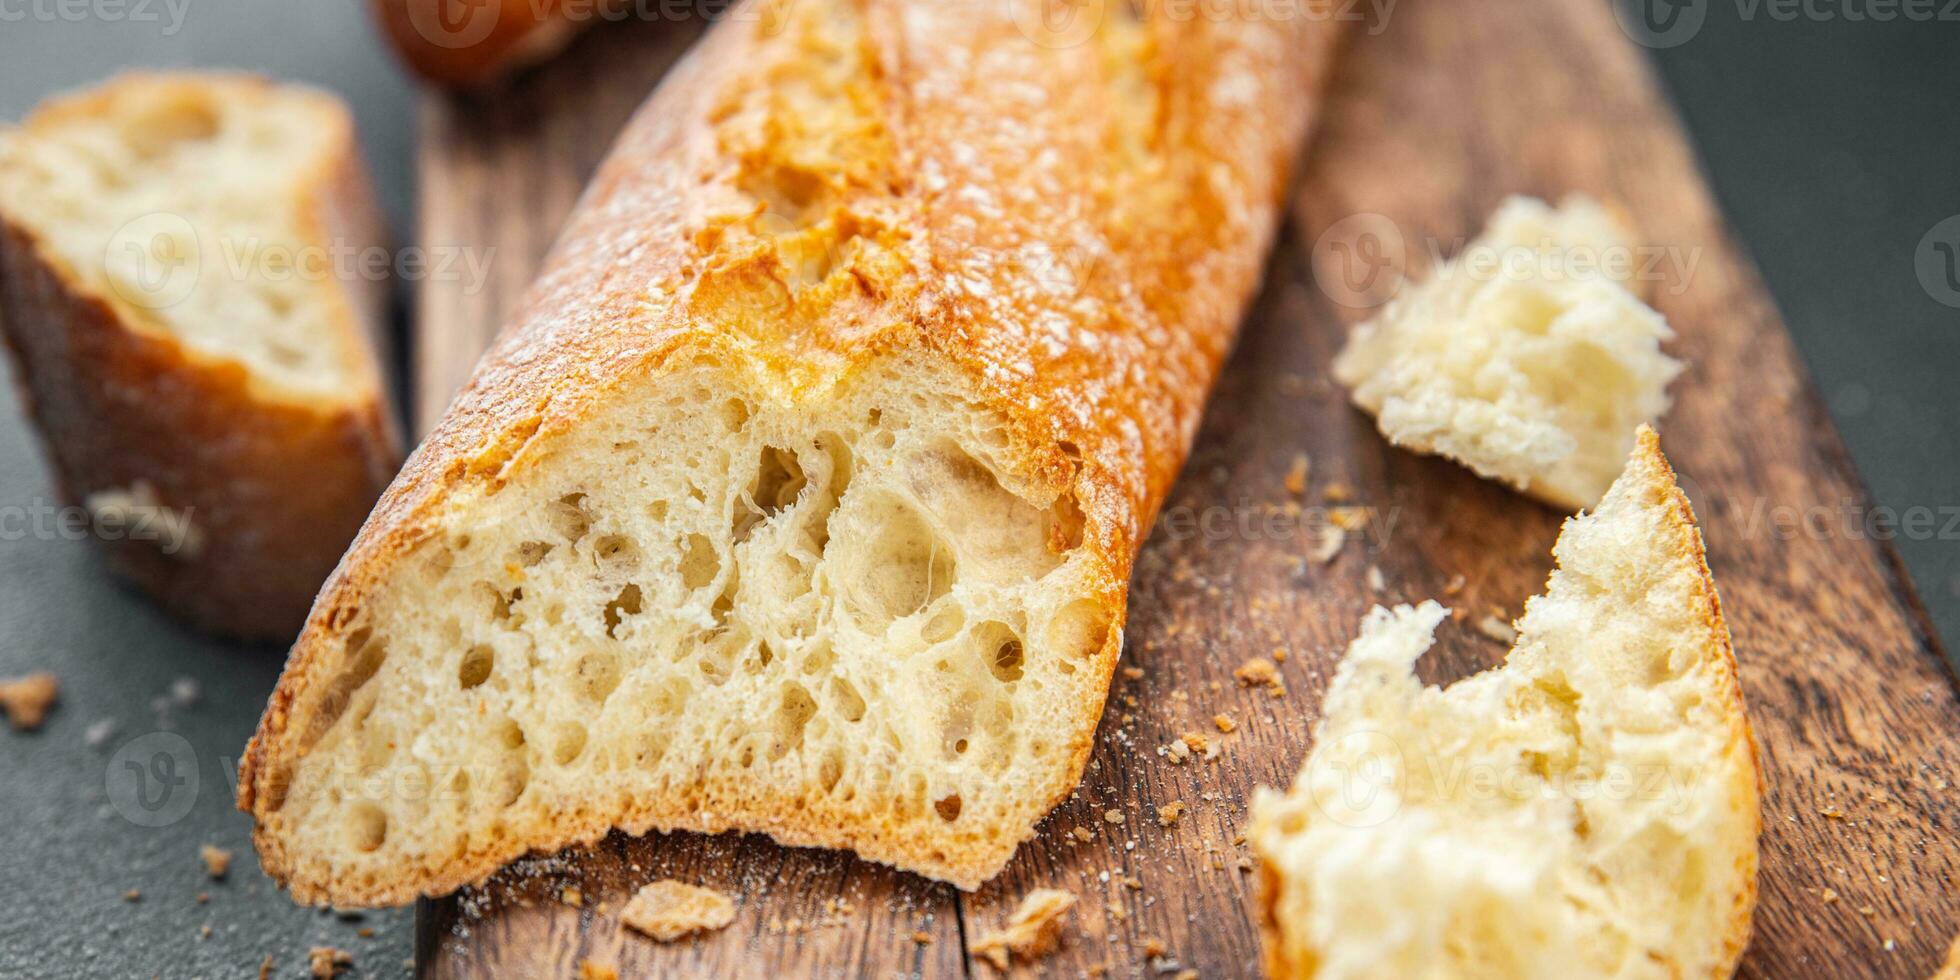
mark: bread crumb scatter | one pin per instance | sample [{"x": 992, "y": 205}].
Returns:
[
  {"x": 1168, "y": 814},
  {"x": 1455, "y": 584},
  {"x": 133, "y": 895},
  {"x": 203, "y": 898},
  {"x": 1336, "y": 493},
  {"x": 1224, "y": 723},
  {"x": 1296, "y": 474},
  {"x": 1083, "y": 834},
  {"x": 666, "y": 910},
  {"x": 1176, "y": 752},
  {"x": 1112, "y": 816},
  {"x": 1260, "y": 672},
  {"x": 572, "y": 897},
  {"x": 1154, "y": 948},
  {"x": 217, "y": 861},
  {"x": 1195, "y": 741},
  {"x": 1376, "y": 583},
  {"x": 1133, "y": 673},
  {"x": 588, "y": 970},
  {"x": 1032, "y": 932},
  {"x": 326, "y": 962},
  {"x": 27, "y": 700},
  {"x": 922, "y": 937},
  {"x": 265, "y": 967}
]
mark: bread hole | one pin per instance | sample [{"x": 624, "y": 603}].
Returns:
[
  {"x": 364, "y": 653},
  {"x": 724, "y": 604},
  {"x": 459, "y": 785},
  {"x": 747, "y": 758},
  {"x": 163, "y": 128},
  {"x": 598, "y": 674},
  {"x": 648, "y": 750},
  {"x": 849, "y": 703},
  {"x": 367, "y": 827},
  {"x": 657, "y": 511},
  {"x": 1002, "y": 650},
  {"x": 568, "y": 518},
  {"x": 530, "y": 553},
  {"x": 944, "y": 624},
  {"x": 700, "y": 562},
  {"x": 902, "y": 569},
  {"x": 510, "y": 782},
  {"x": 477, "y": 664},
  {"x": 791, "y": 715},
  {"x": 627, "y": 603},
  {"x": 616, "y": 552},
  {"x": 1079, "y": 629},
  {"x": 570, "y": 741},
  {"x": 735, "y": 414},
  {"x": 842, "y": 467},
  {"x": 819, "y": 659},
  {"x": 779, "y": 479},
  {"x": 1065, "y": 523},
  {"x": 830, "y": 770},
  {"x": 948, "y": 807}
]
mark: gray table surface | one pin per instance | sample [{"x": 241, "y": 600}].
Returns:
[{"x": 1831, "y": 144}]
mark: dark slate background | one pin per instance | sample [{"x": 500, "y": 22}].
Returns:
[{"x": 1831, "y": 143}]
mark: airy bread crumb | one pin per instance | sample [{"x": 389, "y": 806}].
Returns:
[
  {"x": 27, "y": 700},
  {"x": 1590, "y": 808},
  {"x": 666, "y": 910},
  {"x": 1032, "y": 932},
  {"x": 326, "y": 962},
  {"x": 217, "y": 860},
  {"x": 1525, "y": 358}
]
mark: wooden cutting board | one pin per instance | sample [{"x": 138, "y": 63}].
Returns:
[{"x": 1436, "y": 115}]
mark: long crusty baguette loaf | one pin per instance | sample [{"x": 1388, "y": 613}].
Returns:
[
  {"x": 804, "y": 496},
  {"x": 1588, "y": 809},
  {"x": 1526, "y": 357},
  {"x": 462, "y": 42},
  {"x": 197, "y": 357}
]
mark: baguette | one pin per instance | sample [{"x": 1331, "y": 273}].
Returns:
[
  {"x": 219, "y": 412},
  {"x": 466, "y": 42},
  {"x": 1526, "y": 358},
  {"x": 803, "y": 498},
  {"x": 1588, "y": 809}
]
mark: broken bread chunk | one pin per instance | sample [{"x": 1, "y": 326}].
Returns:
[
  {"x": 666, "y": 910},
  {"x": 1526, "y": 358},
  {"x": 192, "y": 337},
  {"x": 1590, "y": 808},
  {"x": 1032, "y": 932},
  {"x": 803, "y": 497}
]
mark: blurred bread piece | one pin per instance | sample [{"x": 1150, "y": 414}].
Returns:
[
  {"x": 1590, "y": 808},
  {"x": 465, "y": 42},
  {"x": 1527, "y": 357},
  {"x": 802, "y": 499},
  {"x": 179, "y": 288}
]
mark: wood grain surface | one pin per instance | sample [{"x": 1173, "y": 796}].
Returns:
[{"x": 1436, "y": 115}]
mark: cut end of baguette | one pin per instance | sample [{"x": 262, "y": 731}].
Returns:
[
  {"x": 1590, "y": 808},
  {"x": 837, "y": 620},
  {"x": 186, "y": 202},
  {"x": 1526, "y": 358}
]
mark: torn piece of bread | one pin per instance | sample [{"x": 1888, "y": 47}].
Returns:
[
  {"x": 1032, "y": 932},
  {"x": 1525, "y": 358},
  {"x": 804, "y": 496},
  {"x": 173, "y": 285},
  {"x": 1588, "y": 809},
  {"x": 666, "y": 910}
]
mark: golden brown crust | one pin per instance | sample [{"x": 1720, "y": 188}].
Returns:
[
  {"x": 1070, "y": 238},
  {"x": 1742, "y": 740},
  {"x": 274, "y": 487},
  {"x": 463, "y": 42}
]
